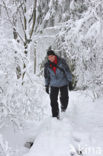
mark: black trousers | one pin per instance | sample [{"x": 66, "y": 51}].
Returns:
[{"x": 63, "y": 99}]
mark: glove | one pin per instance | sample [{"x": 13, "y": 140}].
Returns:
[
  {"x": 47, "y": 89},
  {"x": 70, "y": 86}
]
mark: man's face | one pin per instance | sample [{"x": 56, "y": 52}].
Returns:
[{"x": 51, "y": 58}]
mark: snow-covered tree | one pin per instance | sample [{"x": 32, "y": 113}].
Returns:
[
  {"x": 81, "y": 39},
  {"x": 17, "y": 100},
  {"x": 22, "y": 17}
]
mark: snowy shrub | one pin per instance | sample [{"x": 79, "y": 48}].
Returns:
[
  {"x": 20, "y": 102},
  {"x": 17, "y": 101}
]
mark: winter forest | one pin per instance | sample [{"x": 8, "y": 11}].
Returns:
[{"x": 74, "y": 30}]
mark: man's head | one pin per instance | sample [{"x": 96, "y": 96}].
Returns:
[{"x": 51, "y": 55}]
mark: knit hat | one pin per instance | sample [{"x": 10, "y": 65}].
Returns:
[{"x": 50, "y": 52}]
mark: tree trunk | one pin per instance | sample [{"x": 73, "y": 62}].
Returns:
[{"x": 35, "y": 61}]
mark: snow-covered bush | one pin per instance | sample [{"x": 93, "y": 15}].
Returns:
[{"x": 17, "y": 102}]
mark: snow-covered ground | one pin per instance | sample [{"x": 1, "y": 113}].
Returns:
[{"x": 81, "y": 129}]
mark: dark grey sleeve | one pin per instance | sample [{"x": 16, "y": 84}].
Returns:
[
  {"x": 46, "y": 76},
  {"x": 67, "y": 71}
]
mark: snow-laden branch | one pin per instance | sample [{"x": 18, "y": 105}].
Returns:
[{"x": 13, "y": 25}]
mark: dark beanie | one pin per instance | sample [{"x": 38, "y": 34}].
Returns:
[{"x": 50, "y": 52}]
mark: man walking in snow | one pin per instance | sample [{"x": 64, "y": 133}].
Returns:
[{"x": 57, "y": 78}]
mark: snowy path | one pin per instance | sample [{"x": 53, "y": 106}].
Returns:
[
  {"x": 81, "y": 129},
  {"x": 53, "y": 140}
]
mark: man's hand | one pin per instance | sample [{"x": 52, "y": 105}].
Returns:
[
  {"x": 70, "y": 86},
  {"x": 47, "y": 89}
]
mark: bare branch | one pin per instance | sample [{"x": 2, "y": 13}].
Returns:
[
  {"x": 7, "y": 13},
  {"x": 25, "y": 24},
  {"x": 20, "y": 16},
  {"x": 34, "y": 18},
  {"x": 13, "y": 25}
]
